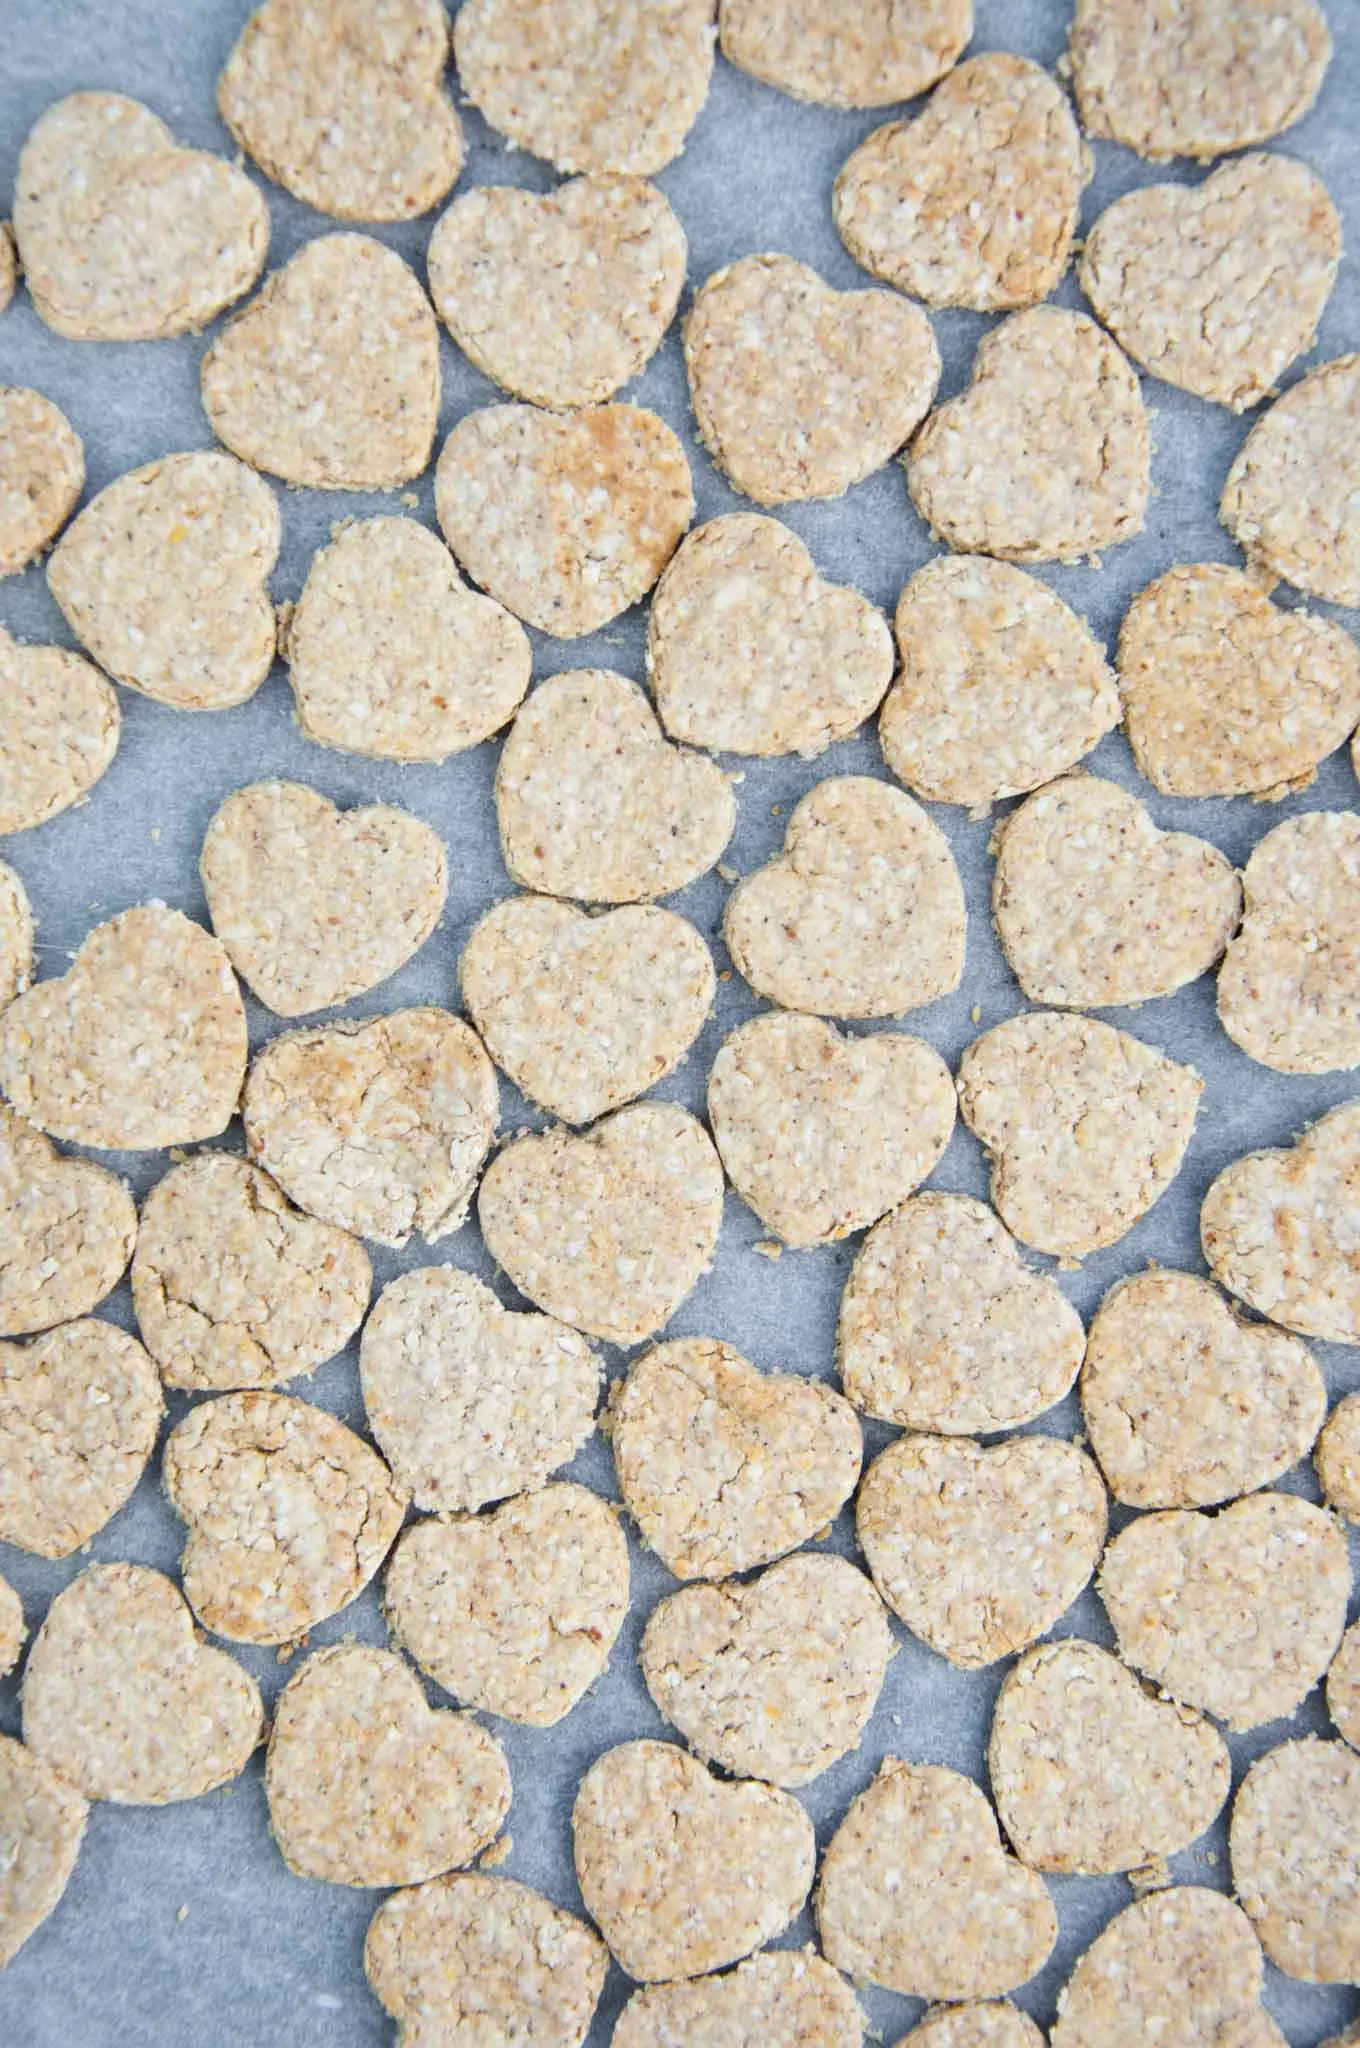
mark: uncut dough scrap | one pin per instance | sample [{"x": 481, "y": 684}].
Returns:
[
  {"x": 1291, "y": 495},
  {"x": 1338, "y": 1458},
  {"x": 42, "y": 1822},
  {"x": 1295, "y": 1848},
  {"x": 16, "y": 936},
  {"x": 798, "y": 390},
  {"x": 1289, "y": 989},
  {"x": 79, "y": 1412},
  {"x": 1343, "y": 1687},
  {"x": 42, "y": 473},
  {"x": 59, "y": 725},
  {"x": 1181, "y": 1967},
  {"x": 1278, "y": 1229},
  {"x": 780, "y": 1995},
  {"x": 67, "y": 1228},
  {"x": 869, "y": 55}
]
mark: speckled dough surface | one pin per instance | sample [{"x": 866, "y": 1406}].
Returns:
[
  {"x": 780, "y": 1995},
  {"x": 42, "y": 1822},
  {"x": 1289, "y": 989},
  {"x": 999, "y": 2025},
  {"x": 1295, "y": 1848},
  {"x": 42, "y": 473},
  {"x": 1343, "y": 1687},
  {"x": 1278, "y": 1229},
  {"x": 59, "y": 725},
  {"x": 80, "y": 1409},
  {"x": 1291, "y": 496},
  {"x": 16, "y": 936},
  {"x": 67, "y": 1228},
  {"x": 870, "y": 56},
  {"x": 1338, "y": 1458}
]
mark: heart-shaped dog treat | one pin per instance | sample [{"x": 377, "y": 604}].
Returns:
[
  {"x": 12, "y": 1629},
  {"x": 1180, "y": 1967},
  {"x": 583, "y": 1013},
  {"x": 67, "y": 1228},
  {"x": 42, "y": 1822},
  {"x": 1092, "y": 1774},
  {"x": 998, "y": 2025},
  {"x": 233, "y": 1286},
  {"x": 560, "y": 296},
  {"x": 316, "y": 906},
  {"x": 1295, "y": 1848},
  {"x": 610, "y": 1230},
  {"x": 1217, "y": 288},
  {"x": 917, "y": 1893},
  {"x": 16, "y": 935},
  {"x": 861, "y": 915},
  {"x": 517, "y": 1611},
  {"x": 1046, "y": 457},
  {"x": 1225, "y": 694},
  {"x": 1343, "y": 1686},
  {"x": 79, "y": 1413},
  {"x": 469, "y": 1402},
  {"x": 1289, "y": 989},
  {"x": 123, "y": 1699},
  {"x": 681, "y": 1872},
  {"x": 750, "y": 652},
  {"x": 42, "y": 473},
  {"x": 1093, "y": 905},
  {"x": 59, "y": 725},
  {"x": 800, "y": 391},
  {"x": 367, "y": 1785},
  {"x": 1292, "y": 496},
  {"x": 379, "y": 1127},
  {"x": 973, "y": 203},
  {"x": 775, "y": 1678},
  {"x": 780, "y": 1995},
  {"x": 1276, "y": 1228},
  {"x": 390, "y": 653},
  {"x": 330, "y": 376},
  {"x": 593, "y": 802},
  {"x": 1185, "y": 1402},
  {"x": 724, "y": 1467},
  {"x": 980, "y": 1550},
  {"x": 565, "y": 519},
  {"x": 142, "y": 1042},
  {"x": 1238, "y": 1613},
  {"x": 164, "y": 577},
  {"x": 289, "y": 1514},
  {"x": 1086, "y": 1126},
  {"x": 821, "y": 1134},
  {"x": 1337, "y": 1458},
  {"x": 343, "y": 103},
  {"x": 874, "y": 55},
  {"x": 943, "y": 1327},
  {"x": 123, "y": 234}
]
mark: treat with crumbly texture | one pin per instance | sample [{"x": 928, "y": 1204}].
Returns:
[
  {"x": 343, "y": 103},
  {"x": 80, "y": 1409},
  {"x": 1337, "y": 1458},
  {"x": 1291, "y": 497},
  {"x": 124, "y": 234},
  {"x": 566, "y": 519},
  {"x": 233, "y": 1286},
  {"x": 821, "y": 1134},
  {"x": 775, "y": 1677},
  {"x": 980, "y": 1549},
  {"x": 164, "y": 577},
  {"x": 367, "y": 1785},
  {"x": 316, "y": 905},
  {"x": 870, "y": 55},
  {"x": 1001, "y": 688},
  {"x": 67, "y": 1228},
  {"x": 800, "y": 391},
  {"x": 1343, "y": 1687},
  {"x": 16, "y": 935},
  {"x": 998, "y": 2025},
  {"x": 515, "y": 1611},
  {"x": 330, "y": 376},
  {"x": 1217, "y": 287},
  {"x": 1181, "y": 1967},
  {"x": 562, "y": 296},
  {"x": 390, "y": 654},
  {"x": 123, "y": 1699},
  {"x": 1295, "y": 1848},
  {"x": 1046, "y": 456},
  {"x": 289, "y": 1514},
  {"x": 724, "y": 1467},
  {"x": 786, "y": 1995},
  {"x": 42, "y": 1822},
  {"x": 974, "y": 202},
  {"x": 1276, "y": 1229},
  {"x": 141, "y": 1043},
  {"x": 59, "y": 726},
  {"x": 42, "y": 473},
  {"x": 12, "y": 1629},
  {"x": 918, "y": 1894},
  {"x": 1094, "y": 906},
  {"x": 594, "y": 802},
  {"x": 1289, "y": 988},
  {"x": 470, "y": 1402},
  {"x": 1239, "y": 1613}
]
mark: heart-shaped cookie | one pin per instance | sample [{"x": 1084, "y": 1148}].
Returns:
[
  {"x": 1090, "y": 1773},
  {"x": 1093, "y": 905},
  {"x": 560, "y": 296},
  {"x": 79, "y": 1413},
  {"x": 1046, "y": 456},
  {"x": 1295, "y": 1848},
  {"x": 59, "y": 724},
  {"x": 330, "y": 376},
  {"x": 724, "y": 1467},
  {"x": 610, "y": 1230},
  {"x": 141, "y": 1043},
  {"x": 1276, "y": 1228},
  {"x": 1217, "y": 287},
  {"x": 42, "y": 473},
  {"x": 775, "y": 1678},
  {"x": 1337, "y": 1458},
  {"x": 996, "y": 2024},
  {"x": 469, "y": 1402},
  {"x": 345, "y": 105},
  {"x": 861, "y": 915},
  {"x": 16, "y": 935},
  {"x": 367, "y": 1785},
  {"x": 778, "y": 1995},
  {"x": 42, "y": 1821},
  {"x": 1086, "y": 1126},
  {"x": 123, "y": 234},
  {"x": 749, "y": 651},
  {"x": 125, "y": 1702},
  {"x": 800, "y": 391},
  {"x": 917, "y": 1893},
  {"x": 1185, "y": 1402},
  {"x": 233, "y": 1286},
  {"x": 314, "y": 905},
  {"x": 1289, "y": 988},
  {"x": 1291, "y": 496},
  {"x": 516, "y": 1611},
  {"x": 289, "y": 1514},
  {"x": 979, "y": 1550},
  {"x": 1238, "y": 1613},
  {"x": 813, "y": 50},
  {"x": 822, "y": 1134},
  {"x": 681, "y": 1872},
  {"x": 1343, "y": 1686},
  {"x": 583, "y": 1013},
  {"x": 973, "y": 203},
  {"x": 566, "y": 519},
  {"x": 67, "y": 1228},
  {"x": 1181, "y": 1966}
]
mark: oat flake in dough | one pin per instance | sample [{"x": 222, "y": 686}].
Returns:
[
  {"x": 1291, "y": 496},
  {"x": 1295, "y": 1849},
  {"x": 1289, "y": 989},
  {"x": 59, "y": 726},
  {"x": 780, "y": 1995},
  {"x": 67, "y": 1228},
  {"x": 1278, "y": 1229},
  {"x": 869, "y": 55},
  {"x": 42, "y": 473}
]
